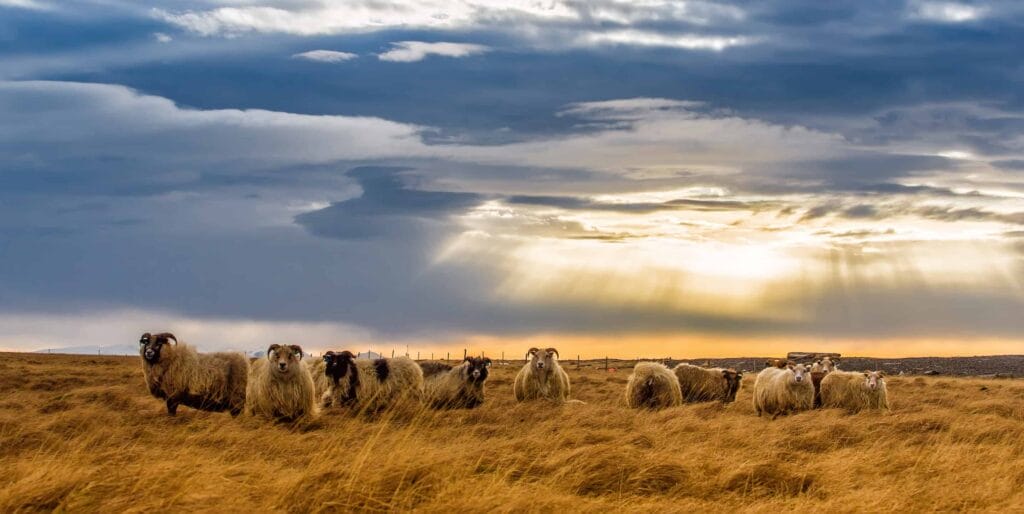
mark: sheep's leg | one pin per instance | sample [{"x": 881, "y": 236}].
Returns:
[{"x": 172, "y": 407}]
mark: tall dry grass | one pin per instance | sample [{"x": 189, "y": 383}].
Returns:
[{"x": 79, "y": 433}]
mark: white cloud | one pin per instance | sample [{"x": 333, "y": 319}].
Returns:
[
  {"x": 948, "y": 12},
  {"x": 325, "y": 56},
  {"x": 411, "y": 51},
  {"x": 25, "y": 4},
  {"x": 162, "y": 38},
  {"x": 548, "y": 24},
  {"x": 314, "y": 18},
  {"x": 647, "y": 38}
]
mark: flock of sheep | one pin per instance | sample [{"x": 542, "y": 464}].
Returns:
[{"x": 284, "y": 386}]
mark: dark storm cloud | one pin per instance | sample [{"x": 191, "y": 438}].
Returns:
[
  {"x": 190, "y": 196},
  {"x": 387, "y": 205}
]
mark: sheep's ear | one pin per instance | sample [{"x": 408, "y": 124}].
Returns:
[
  {"x": 881, "y": 374},
  {"x": 554, "y": 351},
  {"x": 487, "y": 362},
  {"x": 296, "y": 349},
  {"x": 272, "y": 350},
  {"x": 467, "y": 359},
  {"x": 531, "y": 352},
  {"x": 145, "y": 338}
]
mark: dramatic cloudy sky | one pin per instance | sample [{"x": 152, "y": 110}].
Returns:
[{"x": 632, "y": 177}]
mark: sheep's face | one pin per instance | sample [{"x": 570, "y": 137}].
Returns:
[
  {"x": 543, "y": 360},
  {"x": 338, "y": 364},
  {"x": 873, "y": 380},
  {"x": 800, "y": 373},
  {"x": 151, "y": 344},
  {"x": 827, "y": 365},
  {"x": 284, "y": 359},
  {"x": 733, "y": 379},
  {"x": 477, "y": 369}
]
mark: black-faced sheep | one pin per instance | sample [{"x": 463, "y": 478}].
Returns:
[
  {"x": 365, "y": 385},
  {"x": 854, "y": 391},
  {"x": 461, "y": 387},
  {"x": 179, "y": 375},
  {"x": 708, "y": 384},
  {"x": 782, "y": 391},
  {"x": 541, "y": 378},
  {"x": 652, "y": 386},
  {"x": 280, "y": 386}
]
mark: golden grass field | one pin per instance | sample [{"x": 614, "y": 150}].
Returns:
[{"x": 80, "y": 433}]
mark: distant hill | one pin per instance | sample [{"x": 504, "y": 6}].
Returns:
[{"x": 115, "y": 349}]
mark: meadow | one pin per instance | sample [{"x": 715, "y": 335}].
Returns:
[{"x": 80, "y": 433}]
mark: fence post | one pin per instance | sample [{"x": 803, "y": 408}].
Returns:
[
  {"x": 577, "y": 361},
  {"x": 463, "y": 354},
  {"x": 606, "y": 363},
  {"x": 447, "y": 356},
  {"x": 417, "y": 355}
]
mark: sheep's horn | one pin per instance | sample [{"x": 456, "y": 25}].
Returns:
[
  {"x": 554, "y": 351},
  {"x": 166, "y": 335},
  {"x": 530, "y": 352}
]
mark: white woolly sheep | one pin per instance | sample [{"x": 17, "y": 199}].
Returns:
[
  {"x": 854, "y": 391},
  {"x": 280, "y": 386},
  {"x": 828, "y": 365},
  {"x": 652, "y": 386},
  {"x": 180, "y": 375},
  {"x": 461, "y": 387},
  {"x": 699, "y": 384},
  {"x": 366, "y": 385},
  {"x": 541, "y": 377},
  {"x": 817, "y": 367},
  {"x": 782, "y": 391}
]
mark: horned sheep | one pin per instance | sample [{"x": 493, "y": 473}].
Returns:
[
  {"x": 699, "y": 384},
  {"x": 458, "y": 387},
  {"x": 541, "y": 377},
  {"x": 854, "y": 391},
  {"x": 280, "y": 386},
  {"x": 366, "y": 385},
  {"x": 652, "y": 386},
  {"x": 782, "y": 391},
  {"x": 180, "y": 375}
]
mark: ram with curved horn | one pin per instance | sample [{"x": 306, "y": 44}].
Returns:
[
  {"x": 541, "y": 377},
  {"x": 179, "y": 375}
]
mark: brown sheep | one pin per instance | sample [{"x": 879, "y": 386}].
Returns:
[
  {"x": 652, "y": 386},
  {"x": 180, "y": 375},
  {"x": 541, "y": 377},
  {"x": 365, "y": 385},
  {"x": 708, "y": 384},
  {"x": 854, "y": 391},
  {"x": 461, "y": 387},
  {"x": 783, "y": 391},
  {"x": 280, "y": 386}
]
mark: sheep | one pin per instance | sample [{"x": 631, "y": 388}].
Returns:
[
  {"x": 777, "y": 363},
  {"x": 366, "y": 385},
  {"x": 816, "y": 378},
  {"x": 854, "y": 391},
  {"x": 782, "y": 391},
  {"x": 180, "y": 375},
  {"x": 708, "y": 384},
  {"x": 652, "y": 386},
  {"x": 432, "y": 368},
  {"x": 541, "y": 377},
  {"x": 459, "y": 387},
  {"x": 828, "y": 365},
  {"x": 817, "y": 367},
  {"x": 280, "y": 386}
]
